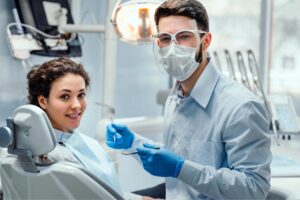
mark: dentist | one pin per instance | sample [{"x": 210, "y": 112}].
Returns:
[{"x": 216, "y": 131}]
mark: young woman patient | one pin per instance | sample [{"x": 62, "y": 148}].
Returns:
[{"x": 59, "y": 88}]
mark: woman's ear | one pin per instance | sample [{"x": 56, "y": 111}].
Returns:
[{"x": 42, "y": 101}]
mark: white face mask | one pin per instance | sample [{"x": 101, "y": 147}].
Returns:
[{"x": 178, "y": 60}]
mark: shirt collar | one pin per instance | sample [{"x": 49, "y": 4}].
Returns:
[
  {"x": 205, "y": 85},
  {"x": 62, "y": 136}
]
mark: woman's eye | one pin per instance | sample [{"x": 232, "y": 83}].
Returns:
[
  {"x": 82, "y": 95},
  {"x": 64, "y": 97}
]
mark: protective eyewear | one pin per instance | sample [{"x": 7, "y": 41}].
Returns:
[{"x": 183, "y": 37}]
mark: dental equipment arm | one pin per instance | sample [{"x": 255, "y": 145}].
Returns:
[
  {"x": 258, "y": 84},
  {"x": 243, "y": 70},
  {"x": 230, "y": 67},
  {"x": 217, "y": 59}
]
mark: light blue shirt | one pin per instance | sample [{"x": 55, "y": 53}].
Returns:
[{"x": 222, "y": 131}]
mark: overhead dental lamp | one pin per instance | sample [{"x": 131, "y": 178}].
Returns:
[{"x": 133, "y": 20}]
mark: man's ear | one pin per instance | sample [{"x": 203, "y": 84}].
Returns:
[
  {"x": 156, "y": 41},
  {"x": 206, "y": 41},
  {"x": 42, "y": 101}
]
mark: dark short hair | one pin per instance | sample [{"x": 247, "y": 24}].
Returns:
[
  {"x": 41, "y": 77},
  {"x": 189, "y": 8}
]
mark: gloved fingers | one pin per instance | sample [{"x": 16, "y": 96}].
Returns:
[
  {"x": 114, "y": 137},
  {"x": 144, "y": 157},
  {"x": 110, "y": 138},
  {"x": 110, "y": 130},
  {"x": 147, "y": 150},
  {"x": 119, "y": 127},
  {"x": 118, "y": 138},
  {"x": 148, "y": 163},
  {"x": 110, "y": 143},
  {"x": 151, "y": 146},
  {"x": 143, "y": 150},
  {"x": 144, "y": 153}
]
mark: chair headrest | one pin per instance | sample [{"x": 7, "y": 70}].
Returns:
[{"x": 33, "y": 130}]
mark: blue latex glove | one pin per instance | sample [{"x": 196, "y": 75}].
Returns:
[
  {"x": 118, "y": 136},
  {"x": 160, "y": 162}
]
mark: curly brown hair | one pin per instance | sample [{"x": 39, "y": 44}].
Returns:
[{"x": 41, "y": 77}]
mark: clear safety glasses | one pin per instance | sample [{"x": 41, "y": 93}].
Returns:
[{"x": 183, "y": 37}]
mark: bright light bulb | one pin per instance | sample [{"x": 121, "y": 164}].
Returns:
[
  {"x": 134, "y": 20},
  {"x": 144, "y": 23}
]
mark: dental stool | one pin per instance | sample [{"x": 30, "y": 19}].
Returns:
[{"x": 29, "y": 133}]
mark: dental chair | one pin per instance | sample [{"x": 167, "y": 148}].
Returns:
[
  {"x": 2, "y": 155},
  {"x": 28, "y": 134}
]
